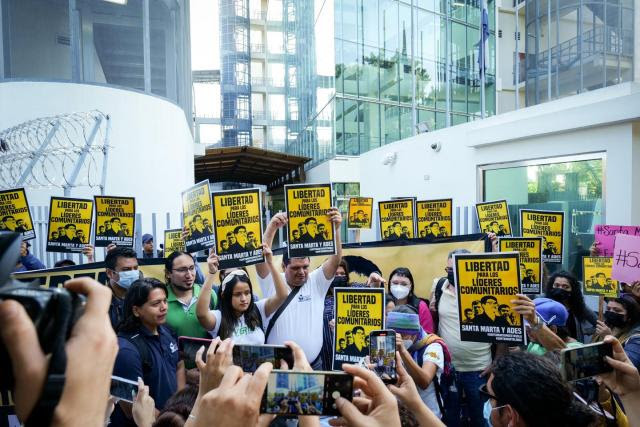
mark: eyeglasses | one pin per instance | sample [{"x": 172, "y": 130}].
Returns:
[
  {"x": 184, "y": 270},
  {"x": 485, "y": 392}
]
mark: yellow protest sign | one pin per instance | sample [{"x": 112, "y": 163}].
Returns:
[
  {"x": 238, "y": 227},
  {"x": 198, "y": 217},
  {"x": 310, "y": 230},
  {"x": 547, "y": 224},
  {"x": 434, "y": 218},
  {"x": 596, "y": 276},
  {"x": 69, "y": 224},
  {"x": 14, "y": 213},
  {"x": 397, "y": 219},
  {"x": 493, "y": 217},
  {"x": 115, "y": 220},
  {"x": 173, "y": 242},
  {"x": 358, "y": 311},
  {"x": 486, "y": 284},
  {"x": 360, "y": 212},
  {"x": 530, "y": 249}
]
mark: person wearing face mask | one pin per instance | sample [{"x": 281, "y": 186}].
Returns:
[
  {"x": 401, "y": 287},
  {"x": 122, "y": 270},
  {"x": 564, "y": 288},
  {"x": 341, "y": 279},
  {"x": 622, "y": 320}
]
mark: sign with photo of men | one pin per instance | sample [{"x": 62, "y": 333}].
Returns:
[
  {"x": 434, "y": 218},
  {"x": 198, "y": 217},
  {"x": 596, "y": 276},
  {"x": 14, "y": 213},
  {"x": 115, "y": 221},
  {"x": 69, "y": 224},
  {"x": 360, "y": 212},
  {"x": 397, "y": 220}
]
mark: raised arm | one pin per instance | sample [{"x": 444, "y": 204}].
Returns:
[
  {"x": 282, "y": 290},
  {"x": 331, "y": 264},
  {"x": 279, "y": 220},
  {"x": 205, "y": 316},
  {"x": 545, "y": 336}
]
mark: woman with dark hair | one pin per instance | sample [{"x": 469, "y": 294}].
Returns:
[
  {"x": 401, "y": 287},
  {"x": 622, "y": 320},
  {"x": 564, "y": 288},
  {"x": 148, "y": 349},
  {"x": 239, "y": 317}
]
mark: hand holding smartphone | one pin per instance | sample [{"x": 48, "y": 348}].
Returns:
[
  {"x": 250, "y": 357},
  {"x": 585, "y": 361},
  {"x": 123, "y": 389},
  {"x": 189, "y": 346},
  {"x": 382, "y": 355}
]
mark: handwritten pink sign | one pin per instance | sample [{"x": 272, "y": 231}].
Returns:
[
  {"x": 606, "y": 236},
  {"x": 626, "y": 258}
]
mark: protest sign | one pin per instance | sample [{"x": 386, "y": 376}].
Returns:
[
  {"x": 493, "y": 217},
  {"x": 238, "y": 227},
  {"x": 14, "y": 213},
  {"x": 530, "y": 249},
  {"x": 115, "y": 220},
  {"x": 596, "y": 276},
  {"x": 198, "y": 217},
  {"x": 605, "y": 235},
  {"x": 310, "y": 230},
  {"x": 546, "y": 224},
  {"x": 486, "y": 284},
  {"x": 360, "y": 212},
  {"x": 358, "y": 311},
  {"x": 626, "y": 258},
  {"x": 173, "y": 242},
  {"x": 397, "y": 219},
  {"x": 434, "y": 218},
  {"x": 69, "y": 224}
]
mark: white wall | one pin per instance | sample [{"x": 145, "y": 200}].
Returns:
[{"x": 151, "y": 154}]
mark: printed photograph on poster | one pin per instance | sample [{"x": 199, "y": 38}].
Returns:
[
  {"x": 14, "y": 213},
  {"x": 605, "y": 235},
  {"x": 596, "y": 276},
  {"x": 493, "y": 217},
  {"x": 115, "y": 221},
  {"x": 358, "y": 311},
  {"x": 486, "y": 283},
  {"x": 530, "y": 249},
  {"x": 69, "y": 224},
  {"x": 546, "y": 224},
  {"x": 310, "y": 230},
  {"x": 360, "y": 213},
  {"x": 173, "y": 242},
  {"x": 434, "y": 218},
  {"x": 238, "y": 227},
  {"x": 397, "y": 220},
  {"x": 198, "y": 217}
]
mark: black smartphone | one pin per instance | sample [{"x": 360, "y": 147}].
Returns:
[
  {"x": 250, "y": 357},
  {"x": 585, "y": 361},
  {"x": 382, "y": 355},
  {"x": 293, "y": 393},
  {"x": 189, "y": 346},
  {"x": 123, "y": 388}
]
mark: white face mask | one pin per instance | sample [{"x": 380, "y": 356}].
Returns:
[
  {"x": 399, "y": 291},
  {"x": 407, "y": 344}
]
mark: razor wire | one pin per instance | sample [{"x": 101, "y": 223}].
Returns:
[{"x": 63, "y": 151}]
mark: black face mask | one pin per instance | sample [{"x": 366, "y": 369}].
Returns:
[
  {"x": 451, "y": 278},
  {"x": 560, "y": 295},
  {"x": 339, "y": 282},
  {"x": 613, "y": 319}
]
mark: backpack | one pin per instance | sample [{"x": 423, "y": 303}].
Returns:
[
  {"x": 437, "y": 295},
  {"x": 143, "y": 349}
]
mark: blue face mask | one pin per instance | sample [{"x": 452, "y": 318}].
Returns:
[
  {"x": 486, "y": 412},
  {"x": 126, "y": 278}
]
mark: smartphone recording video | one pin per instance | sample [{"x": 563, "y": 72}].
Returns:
[
  {"x": 586, "y": 361},
  {"x": 123, "y": 389},
  {"x": 382, "y": 355},
  {"x": 293, "y": 393},
  {"x": 250, "y": 357},
  {"x": 189, "y": 346}
]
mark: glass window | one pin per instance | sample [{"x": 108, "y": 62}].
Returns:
[
  {"x": 276, "y": 74},
  {"x": 339, "y": 127},
  {"x": 350, "y": 67},
  {"x": 370, "y": 31},
  {"x": 426, "y": 79},
  {"x": 389, "y": 85},
  {"x": 459, "y": 90},
  {"x": 388, "y": 27},
  {"x": 276, "y": 106},
  {"x": 405, "y": 68},
  {"x": 275, "y": 41},
  {"x": 370, "y": 126},
  {"x": 459, "y": 57},
  {"x": 391, "y": 124},
  {"x": 406, "y": 123},
  {"x": 162, "y": 32},
  {"x": 428, "y": 117},
  {"x": 369, "y": 77},
  {"x": 351, "y": 127},
  {"x": 258, "y": 136},
  {"x": 350, "y": 19}
]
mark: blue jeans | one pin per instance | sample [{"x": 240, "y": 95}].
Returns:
[{"x": 470, "y": 407}]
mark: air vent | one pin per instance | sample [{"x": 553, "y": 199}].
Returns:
[{"x": 63, "y": 40}]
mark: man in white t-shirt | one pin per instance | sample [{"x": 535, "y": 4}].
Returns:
[{"x": 301, "y": 320}]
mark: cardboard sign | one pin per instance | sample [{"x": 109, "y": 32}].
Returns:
[
  {"x": 434, "y": 218},
  {"x": 626, "y": 258},
  {"x": 546, "y": 224},
  {"x": 238, "y": 227},
  {"x": 493, "y": 217},
  {"x": 605, "y": 235},
  {"x": 173, "y": 242},
  {"x": 486, "y": 284},
  {"x": 310, "y": 230},
  {"x": 115, "y": 221},
  {"x": 198, "y": 217},
  {"x": 360, "y": 212},
  {"x": 14, "y": 213},
  {"x": 596, "y": 276},
  {"x": 69, "y": 224},
  {"x": 358, "y": 311},
  {"x": 530, "y": 249},
  {"x": 397, "y": 220}
]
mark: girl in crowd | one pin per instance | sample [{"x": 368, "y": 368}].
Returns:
[
  {"x": 239, "y": 316},
  {"x": 401, "y": 287},
  {"x": 564, "y": 288},
  {"x": 622, "y": 320}
]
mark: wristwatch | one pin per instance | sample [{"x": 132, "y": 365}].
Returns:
[{"x": 538, "y": 325}]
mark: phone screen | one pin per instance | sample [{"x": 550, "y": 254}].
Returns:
[
  {"x": 189, "y": 346},
  {"x": 293, "y": 393},
  {"x": 250, "y": 357},
  {"x": 382, "y": 354},
  {"x": 123, "y": 388},
  {"x": 586, "y": 361}
]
